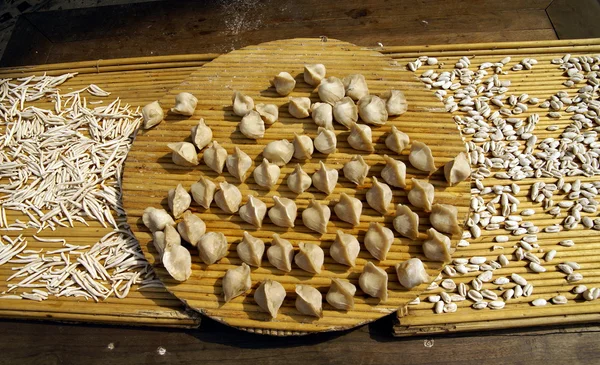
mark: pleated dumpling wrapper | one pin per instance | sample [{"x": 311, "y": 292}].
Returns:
[
  {"x": 236, "y": 282},
  {"x": 316, "y": 216},
  {"x": 279, "y": 152},
  {"x": 421, "y": 195},
  {"x": 325, "y": 141},
  {"x": 341, "y": 294},
  {"x": 299, "y": 107},
  {"x": 176, "y": 259},
  {"x": 394, "y": 172},
  {"x": 203, "y": 191},
  {"x": 152, "y": 114},
  {"x": 253, "y": 211},
  {"x": 281, "y": 253},
  {"x": 309, "y": 301},
  {"x": 179, "y": 200},
  {"x": 379, "y": 196},
  {"x": 313, "y": 74},
  {"x": 331, "y": 90},
  {"x": 325, "y": 179},
  {"x": 395, "y": 102},
  {"x": 158, "y": 240},
  {"x": 397, "y": 140},
  {"x": 266, "y": 174},
  {"x": 268, "y": 112},
  {"x": 162, "y": 239},
  {"x": 184, "y": 154},
  {"x": 421, "y": 157},
  {"x": 269, "y": 296},
  {"x": 238, "y": 164},
  {"x": 373, "y": 281},
  {"x": 298, "y": 181},
  {"x": 437, "y": 246},
  {"x": 360, "y": 137},
  {"x": 378, "y": 240},
  {"x": 412, "y": 273},
  {"x": 444, "y": 218},
  {"x": 348, "y": 209},
  {"x": 157, "y": 219},
  {"x": 356, "y": 170},
  {"x": 371, "y": 110},
  {"x": 345, "y": 112},
  {"x": 251, "y": 250},
  {"x": 284, "y": 83},
  {"x": 345, "y": 249},
  {"x": 212, "y": 247},
  {"x": 185, "y": 104},
  {"x": 252, "y": 125},
  {"x": 215, "y": 157},
  {"x": 356, "y": 86},
  {"x": 201, "y": 134},
  {"x": 310, "y": 257},
  {"x": 242, "y": 104},
  {"x": 283, "y": 213},
  {"x": 303, "y": 147},
  {"x": 191, "y": 228},
  {"x": 228, "y": 198},
  {"x": 406, "y": 222},
  {"x": 458, "y": 169},
  {"x": 322, "y": 115}
]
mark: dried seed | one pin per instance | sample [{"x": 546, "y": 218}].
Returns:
[
  {"x": 445, "y": 297},
  {"x": 479, "y": 305},
  {"x": 535, "y": 267},
  {"x": 539, "y": 302},
  {"x": 559, "y": 299},
  {"x": 448, "y": 284},
  {"x": 579, "y": 289},
  {"x": 527, "y": 290},
  {"x": 518, "y": 279},
  {"x": 574, "y": 277},
  {"x": 439, "y": 307},
  {"x": 496, "y": 304}
]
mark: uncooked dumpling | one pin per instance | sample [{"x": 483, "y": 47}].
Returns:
[
  {"x": 406, "y": 222},
  {"x": 348, "y": 209},
  {"x": 397, "y": 140},
  {"x": 341, "y": 294},
  {"x": 309, "y": 301},
  {"x": 238, "y": 164},
  {"x": 371, "y": 110},
  {"x": 236, "y": 282},
  {"x": 373, "y": 281},
  {"x": 313, "y": 74},
  {"x": 252, "y": 125},
  {"x": 228, "y": 198},
  {"x": 457, "y": 170},
  {"x": 268, "y": 112},
  {"x": 281, "y": 253},
  {"x": 176, "y": 259},
  {"x": 279, "y": 152},
  {"x": 345, "y": 249},
  {"x": 251, "y": 250},
  {"x": 331, "y": 90},
  {"x": 360, "y": 138},
  {"x": 284, "y": 83},
  {"x": 325, "y": 179},
  {"x": 378, "y": 240},
  {"x": 379, "y": 196},
  {"x": 421, "y": 195},
  {"x": 242, "y": 104},
  {"x": 156, "y": 219},
  {"x": 201, "y": 134},
  {"x": 421, "y": 157},
  {"x": 212, "y": 247},
  {"x": 283, "y": 212},
  {"x": 203, "y": 192},
  {"x": 325, "y": 141},
  {"x": 266, "y": 174},
  {"x": 444, "y": 218},
  {"x": 316, "y": 216},
  {"x": 395, "y": 102},
  {"x": 269, "y": 296},
  {"x": 191, "y": 228},
  {"x": 185, "y": 104},
  {"x": 356, "y": 170},
  {"x": 356, "y": 86},
  {"x": 437, "y": 246},
  {"x": 184, "y": 154},
  {"x": 298, "y": 181},
  {"x": 253, "y": 211},
  {"x": 310, "y": 257},
  {"x": 299, "y": 107},
  {"x": 158, "y": 240},
  {"x": 322, "y": 115},
  {"x": 394, "y": 172},
  {"x": 411, "y": 273},
  {"x": 345, "y": 112},
  {"x": 153, "y": 114},
  {"x": 215, "y": 157},
  {"x": 303, "y": 147},
  {"x": 179, "y": 200}
]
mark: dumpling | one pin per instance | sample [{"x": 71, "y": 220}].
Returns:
[
  {"x": 158, "y": 241},
  {"x": 253, "y": 211},
  {"x": 379, "y": 196},
  {"x": 179, "y": 200},
  {"x": 298, "y": 181},
  {"x": 345, "y": 112},
  {"x": 212, "y": 247},
  {"x": 281, "y": 253},
  {"x": 444, "y": 218},
  {"x": 303, "y": 147},
  {"x": 284, "y": 83},
  {"x": 184, "y": 154},
  {"x": 242, "y": 104},
  {"x": 269, "y": 296},
  {"x": 397, "y": 140},
  {"x": 394, "y": 172},
  {"x": 421, "y": 195},
  {"x": 411, "y": 273},
  {"x": 191, "y": 228},
  {"x": 252, "y": 125},
  {"x": 313, "y": 74},
  {"x": 341, "y": 294},
  {"x": 215, "y": 157},
  {"x": 203, "y": 192},
  {"x": 395, "y": 102},
  {"x": 153, "y": 114},
  {"x": 279, "y": 152},
  {"x": 373, "y": 281},
  {"x": 345, "y": 249},
  {"x": 360, "y": 138},
  {"x": 176, "y": 259},
  {"x": 378, "y": 240},
  {"x": 268, "y": 112},
  {"x": 310, "y": 257},
  {"x": 325, "y": 141},
  {"x": 266, "y": 174},
  {"x": 371, "y": 110},
  {"x": 283, "y": 212},
  {"x": 185, "y": 104},
  {"x": 238, "y": 164},
  {"x": 201, "y": 134},
  {"x": 299, "y": 107},
  {"x": 331, "y": 90},
  {"x": 458, "y": 169},
  {"x": 437, "y": 247},
  {"x": 236, "y": 282},
  {"x": 322, "y": 115},
  {"x": 251, "y": 250},
  {"x": 228, "y": 198},
  {"x": 309, "y": 301},
  {"x": 325, "y": 179},
  {"x": 406, "y": 222},
  {"x": 421, "y": 157},
  {"x": 356, "y": 86},
  {"x": 316, "y": 217},
  {"x": 348, "y": 209},
  {"x": 356, "y": 170},
  {"x": 156, "y": 219}
]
